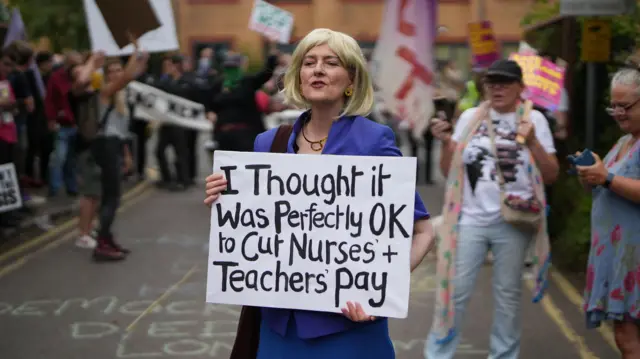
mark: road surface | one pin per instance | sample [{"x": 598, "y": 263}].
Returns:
[{"x": 56, "y": 303}]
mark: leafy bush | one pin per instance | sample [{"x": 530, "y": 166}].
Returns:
[{"x": 570, "y": 224}]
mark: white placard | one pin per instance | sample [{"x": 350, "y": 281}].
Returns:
[
  {"x": 10, "y": 197},
  {"x": 271, "y": 21},
  {"x": 152, "y": 104},
  {"x": 159, "y": 40},
  {"x": 313, "y": 232}
]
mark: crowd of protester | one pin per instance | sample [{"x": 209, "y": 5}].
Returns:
[{"x": 42, "y": 129}]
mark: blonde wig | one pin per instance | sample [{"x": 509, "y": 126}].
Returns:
[{"x": 348, "y": 51}]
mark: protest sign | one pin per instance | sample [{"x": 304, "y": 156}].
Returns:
[
  {"x": 484, "y": 46},
  {"x": 10, "y": 197},
  {"x": 151, "y": 21},
  {"x": 152, "y": 104},
  {"x": 547, "y": 91},
  {"x": 543, "y": 78},
  {"x": 271, "y": 21},
  {"x": 312, "y": 232}
]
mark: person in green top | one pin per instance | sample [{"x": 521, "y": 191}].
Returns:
[{"x": 473, "y": 92}]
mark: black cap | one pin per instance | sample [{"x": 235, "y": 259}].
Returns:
[{"x": 505, "y": 69}]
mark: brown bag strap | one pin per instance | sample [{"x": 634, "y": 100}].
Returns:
[{"x": 281, "y": 139}]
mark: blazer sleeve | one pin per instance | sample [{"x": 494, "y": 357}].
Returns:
[{"x": 386, "y": 146}]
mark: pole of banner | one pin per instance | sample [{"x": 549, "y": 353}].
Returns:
[{"x": 481, "y": 10}]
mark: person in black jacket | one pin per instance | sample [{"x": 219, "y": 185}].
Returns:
[
  {"x": 199, "y": 91},
  {"x": 139, "y": 129},
  {"x": 39, "y": 136},
  {"x": 239, "y": 120},
  {"x": 172, "y": 135}
]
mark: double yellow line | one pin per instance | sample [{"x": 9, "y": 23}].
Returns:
[
  {"x": 64, "y": 231},
  {"x": 556, "y": 315}
]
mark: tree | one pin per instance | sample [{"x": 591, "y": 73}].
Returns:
[
  {"x": 570, "y": 207},
  {"x": 62, "y": 22}
]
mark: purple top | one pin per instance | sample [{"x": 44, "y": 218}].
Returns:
[{"x": 348, "y": 136}]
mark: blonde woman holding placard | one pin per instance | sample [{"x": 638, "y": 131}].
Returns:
[{"x": 328, "y": 78}]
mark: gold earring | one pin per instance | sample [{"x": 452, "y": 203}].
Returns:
[{"x": 348, "y": 92}]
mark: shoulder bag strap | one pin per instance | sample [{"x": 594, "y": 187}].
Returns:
[
  {"x": 524, "y": 110},
  {"x": 281, "y": 139},
  {"x": 105, "y": 117}
]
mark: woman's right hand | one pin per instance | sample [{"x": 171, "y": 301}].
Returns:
[
  {"x": 584, "y": 184},
  {"x": 441, "y": 129},
  {"x": 215, "y": 184}
]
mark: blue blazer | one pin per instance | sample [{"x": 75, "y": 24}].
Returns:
[{"x": 349, "y": 135}]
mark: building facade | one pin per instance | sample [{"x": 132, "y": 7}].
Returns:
[{"x": 224, "y": 23}]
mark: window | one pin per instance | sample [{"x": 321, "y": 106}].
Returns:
[
  {"x": 367, "y": 45},
  {"x": 459, "y": 53},
  {"x": 509, "y": 48},
  {"x": 288, "y": 48}
]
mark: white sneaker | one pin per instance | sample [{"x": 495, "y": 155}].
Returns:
[
  {"x": 86, "y": 242},
  {"x": 37, "y": 201}
]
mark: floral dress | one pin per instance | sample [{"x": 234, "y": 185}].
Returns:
[{"x": 613, "y": 273}]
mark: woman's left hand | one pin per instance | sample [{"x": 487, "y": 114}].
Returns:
[
  {"x": 355, "y": 312},
  {"x": 594, "y": 175}
]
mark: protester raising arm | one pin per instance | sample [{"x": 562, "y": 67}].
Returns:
[
  {"x": 259, "y": 79},
  {"x": 135, "y": 66},
  {"x": 82, "y": 74}
]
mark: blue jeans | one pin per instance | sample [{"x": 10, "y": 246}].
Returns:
[
  {"x": 62, "y": 164},
  {"x": 508, "y": 245}
]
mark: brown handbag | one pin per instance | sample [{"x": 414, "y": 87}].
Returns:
[{"x": 245, "y": 346}]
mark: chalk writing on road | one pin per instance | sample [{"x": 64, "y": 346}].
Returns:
[
  {"x": 112, "y": 305},
  {"x": 174, "y": 329}
]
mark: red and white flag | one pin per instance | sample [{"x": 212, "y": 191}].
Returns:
[{"x": 403, "y": 63}]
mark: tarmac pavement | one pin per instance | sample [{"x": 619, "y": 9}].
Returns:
[
  {"x": 60, "y": 304},
  {"x": 55, "y": 302}
]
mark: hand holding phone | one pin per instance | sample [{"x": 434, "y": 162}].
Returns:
[
  {"x": 584, "y": 158},
  {"x": 441, "y": 129}
]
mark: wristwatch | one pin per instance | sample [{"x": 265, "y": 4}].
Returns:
[{"x": 607, "y": 182}]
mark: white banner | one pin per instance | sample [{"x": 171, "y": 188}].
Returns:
[
  {"x": 161, "y": 39},
  {"x": 313, "y": 232},
  {"x": 403, "y": 64},
  {"x": 10, "y": 197},
  {"x": 152, "y": 104}
]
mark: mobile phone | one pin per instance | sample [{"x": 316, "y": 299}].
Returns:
[
  {"x": 441, "y": 106},
  {"x": 585, "y": 159}
]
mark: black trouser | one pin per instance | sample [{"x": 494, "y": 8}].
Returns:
[
  {"x": 40, "y": 145},
  {"x": 139, "y": 129},
  {"x": 192, "y": 153},
  {"x": 107, "y": 152},
  {"x": 174, "y": 136},
  {"x": 428, "y": 146}
]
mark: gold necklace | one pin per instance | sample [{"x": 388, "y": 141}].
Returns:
[{"x": 315, "y": 145}]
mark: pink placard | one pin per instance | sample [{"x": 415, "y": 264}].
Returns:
[
  {"x": 546, "y": 90},
  {"x": 543, "y": 78}
]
